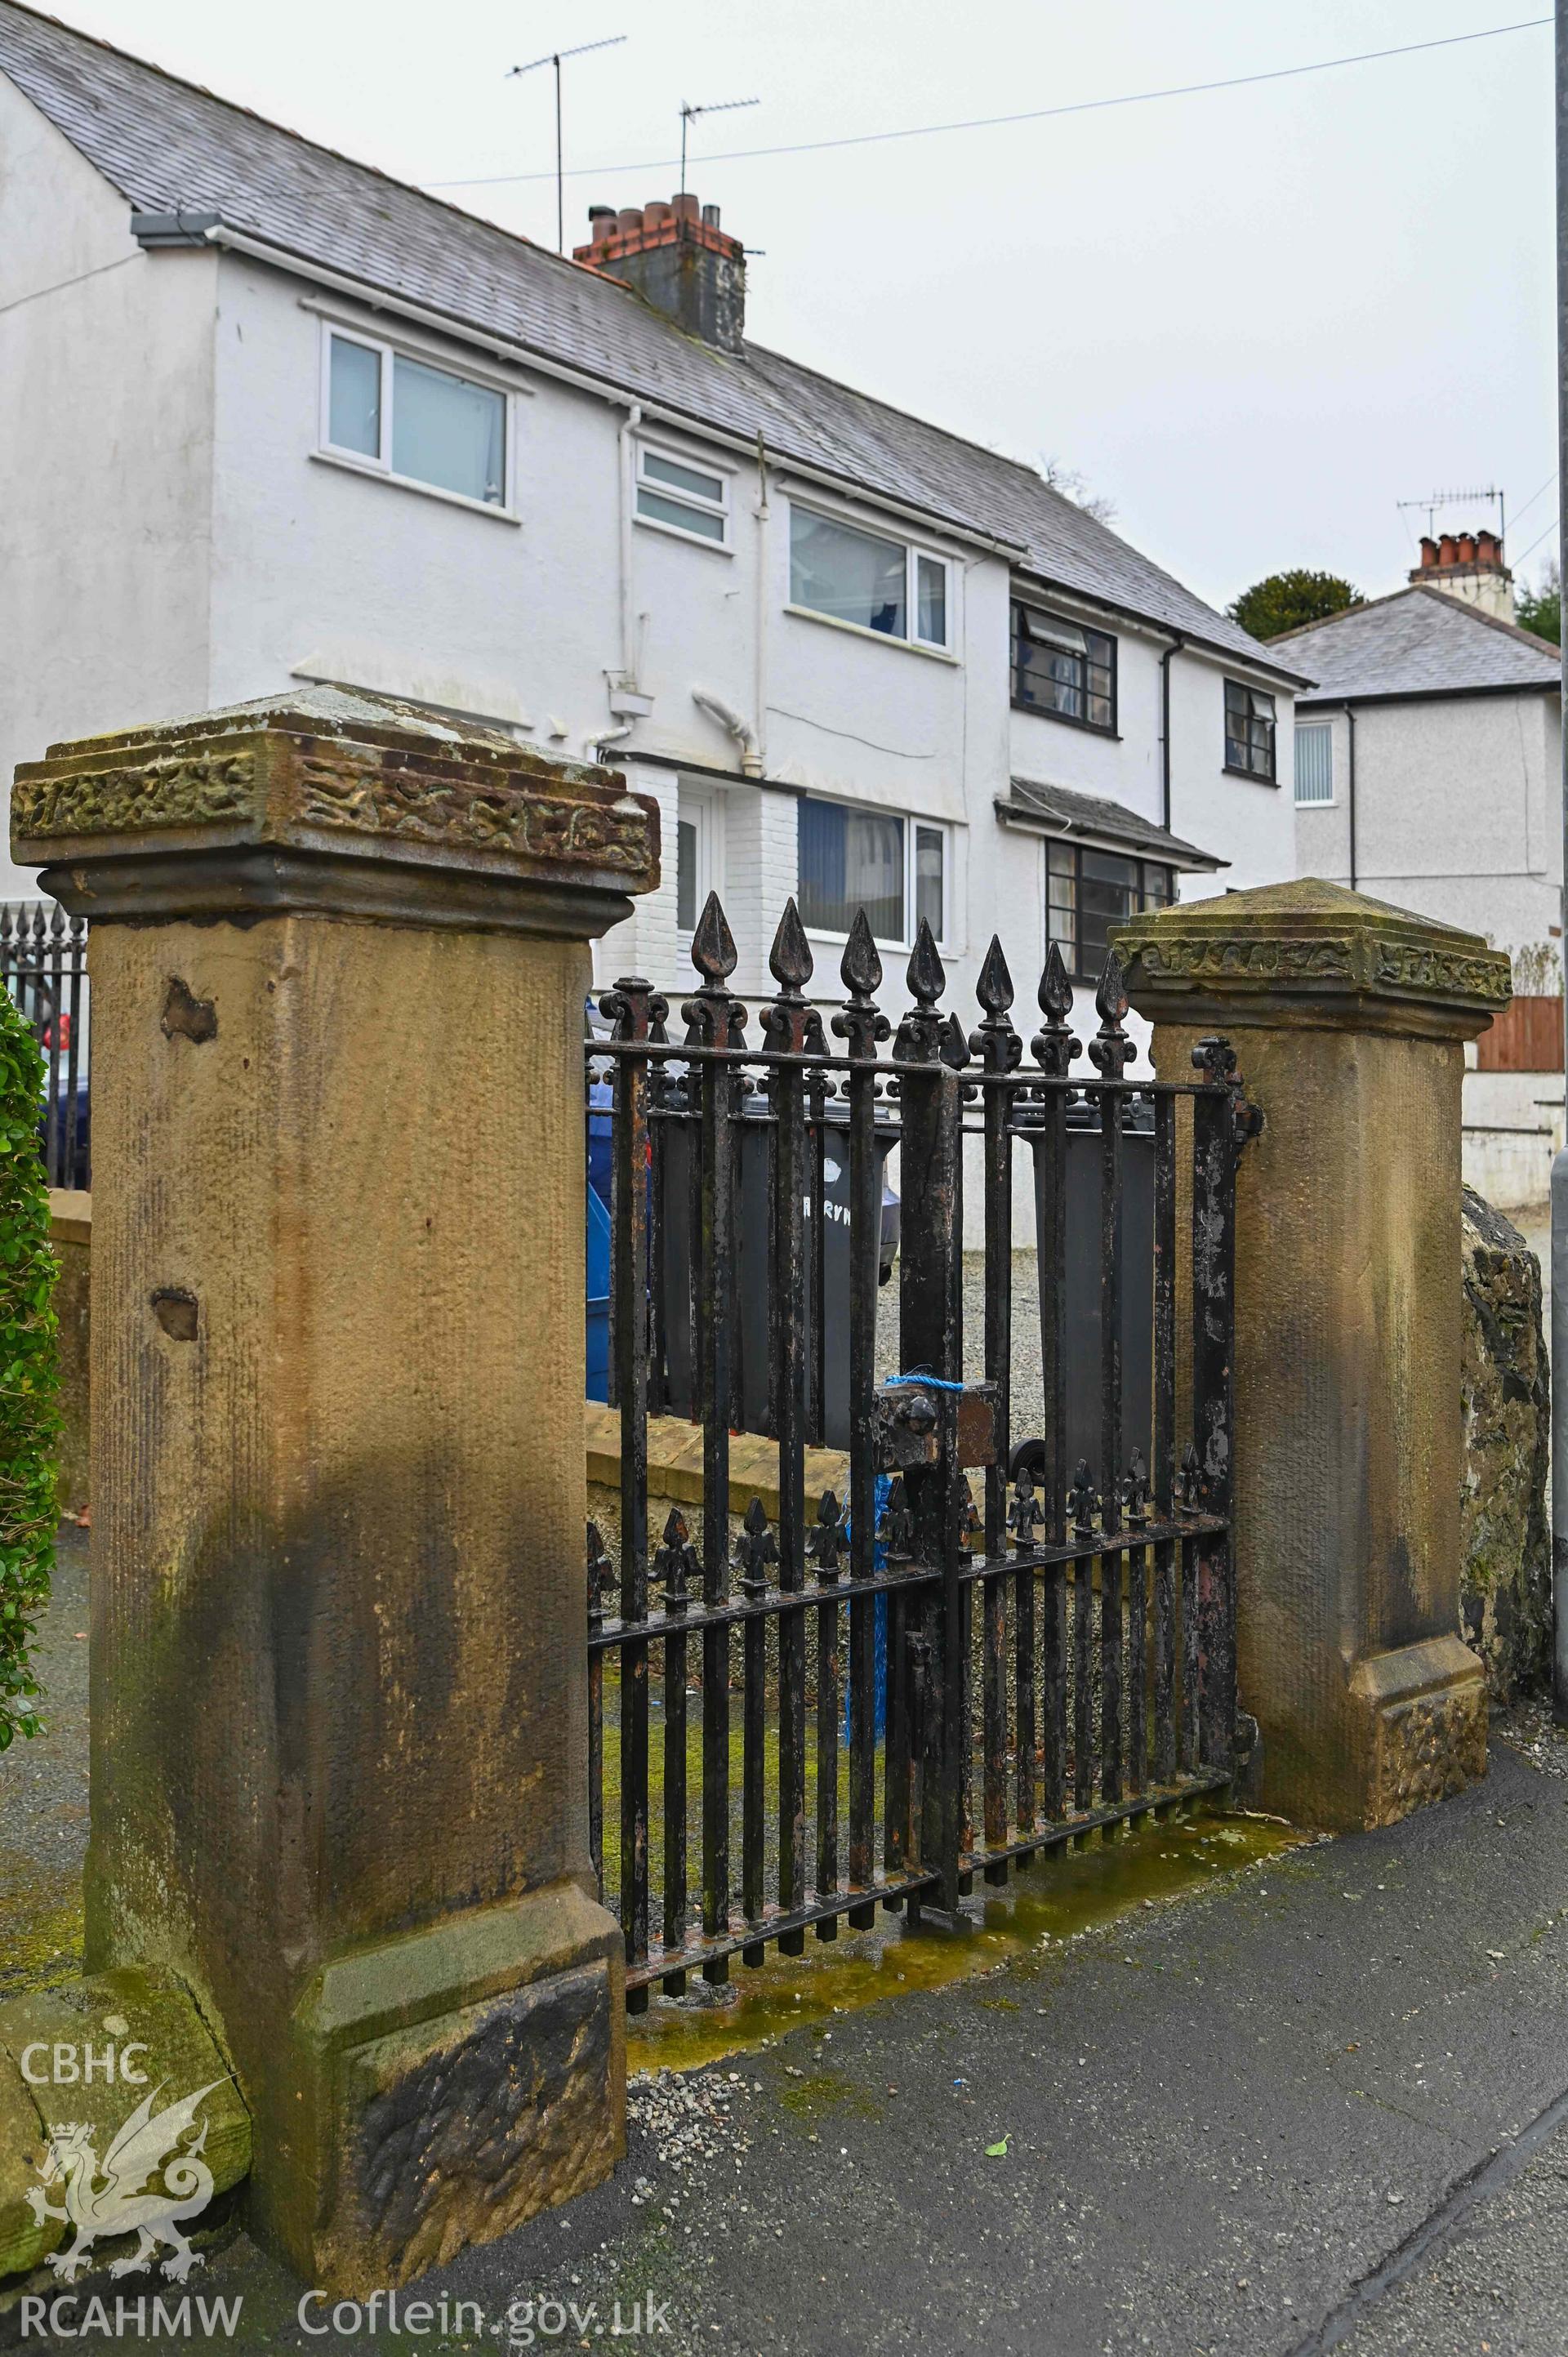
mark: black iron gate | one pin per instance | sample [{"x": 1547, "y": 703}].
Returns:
[{"x": 1062, "y": 1649}]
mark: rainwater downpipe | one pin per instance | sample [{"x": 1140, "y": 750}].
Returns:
[
  {"x": 1351, "y": 784},
  {"x": 759, "y": 687},
  {"x": 1177, "y": 642},
  {"x": 629, "y": 651}
]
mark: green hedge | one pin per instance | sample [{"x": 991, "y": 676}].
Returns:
[{"x": 29, "y": 1375}]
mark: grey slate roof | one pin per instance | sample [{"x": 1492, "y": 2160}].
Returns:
[
  {"x": 1419, "y": 641},
  {"x": 169, "y": 146},
  {"x": 1088, "y": 818}
]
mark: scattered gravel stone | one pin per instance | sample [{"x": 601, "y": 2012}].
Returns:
[
  {"x": 688, "y": 2118},
  {"x": 1529, "y": 1726}
]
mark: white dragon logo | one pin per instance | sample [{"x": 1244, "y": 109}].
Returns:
[{"x": 143, "y": 2147}]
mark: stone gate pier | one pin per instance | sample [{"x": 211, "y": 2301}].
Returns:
[
  {"x": 1350, "y": 1019},
  {"x": 339, "y": 962}
]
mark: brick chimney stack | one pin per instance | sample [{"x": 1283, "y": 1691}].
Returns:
[
  {"x": 678, "y": 259},
  {"x": 1468, "y": 566}
]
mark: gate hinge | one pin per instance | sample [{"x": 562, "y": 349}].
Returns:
[
  {"x": 907, "y": 1416},
  {"x": 1216, "y": 1058}
]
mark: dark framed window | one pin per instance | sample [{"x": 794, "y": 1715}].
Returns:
[
  {"x": 1088, "y": 892},
  {"x": 1062, "y": 668},
  {"x": 1249, "y": 731}
]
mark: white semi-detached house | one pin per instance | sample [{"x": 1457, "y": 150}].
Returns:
[
  {"x": 273, "y": 418},
  {"x": 1428, "y": 757}
]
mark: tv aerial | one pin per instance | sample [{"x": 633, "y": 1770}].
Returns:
[{"x": 556, "y": 58}]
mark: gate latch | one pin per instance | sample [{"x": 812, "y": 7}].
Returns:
[{"x": 907, "y": 1416}]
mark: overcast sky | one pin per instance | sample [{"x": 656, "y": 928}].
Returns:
[{"x": 1254, "y": 320}]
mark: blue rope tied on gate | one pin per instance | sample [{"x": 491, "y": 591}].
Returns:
[{"x": 927, "y": 1382}]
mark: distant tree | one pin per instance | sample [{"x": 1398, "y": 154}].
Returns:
[
  {"x": 1283, "y": 601},
  {"x": 1072, "y": 486},
  {"x": 1541, "y": 610}
]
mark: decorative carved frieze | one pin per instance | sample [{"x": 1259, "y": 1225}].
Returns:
[
  {"x": 187, "y": 790},
  {"x": 1409, "y": 965},
  {"x": 1264, "y": 960},
  {"x": 282, "y": 784},
  {"x": 1339, "y": 949},
  {"x": 370, "y": 799}
]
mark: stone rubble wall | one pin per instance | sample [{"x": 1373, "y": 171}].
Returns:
[{"x": 1505, "y": 1531}]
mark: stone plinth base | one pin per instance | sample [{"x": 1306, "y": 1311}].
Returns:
[
  {"x": 1424, "y": 1726},
  {"x": 458, "y": 2080}
]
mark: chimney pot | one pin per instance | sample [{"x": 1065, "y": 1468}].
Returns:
[
  {"x": 1428, "y": 551},
  {"x": 697, "y": 280},
  {"x": 1466, "y": 548},
  {"x": 1447, "y": 553}
]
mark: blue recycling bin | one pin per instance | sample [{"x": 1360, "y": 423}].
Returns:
[
  {"x": 878, "y": 1563},
  {"x": 599, "y": 1242}
]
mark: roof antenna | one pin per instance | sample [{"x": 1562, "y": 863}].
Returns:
[
  {"x": 553, "y": 59},
  {"x": 1435, "y": 499},
  {"x": 689, "y": 114}
]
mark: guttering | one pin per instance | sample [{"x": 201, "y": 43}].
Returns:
[
  {"x": 923, "y": 519},
  {"x": 1093, "y": 838},
  {"x": 1042, "y": 585},
  {"x": 217, "y": 232},
  {"x": 697, "y": 769},
  {"x": 1331, "y": 702}
]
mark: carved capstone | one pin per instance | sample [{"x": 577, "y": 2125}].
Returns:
[
  {"x": 298, "y": 784},
  {"x": 1311, "y": 952}
]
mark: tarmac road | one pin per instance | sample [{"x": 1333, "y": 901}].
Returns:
[{"x": 1222, "y": 2116}]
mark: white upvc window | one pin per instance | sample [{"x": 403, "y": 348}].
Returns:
[
  {"x": 673, "y": 495},
  {"x": 1314, "y": 761},
  {"x": 851, "y": 856},
  {"x": 893, "y": 588},
  {"x": 406, "y": 418},
  {"x": 699, "y": 853}
]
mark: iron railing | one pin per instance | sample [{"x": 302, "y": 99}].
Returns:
[
  {"x": 43, "y": 965},
  {"x": 1067, "y": 1652}
]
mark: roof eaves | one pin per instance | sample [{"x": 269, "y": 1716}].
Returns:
[
  {"x": 1179, "y": 635},
  {"x": 215, "y": 230},
  {"x": 1340, "y": 698},
  {"x": 1141, "y": 834}
]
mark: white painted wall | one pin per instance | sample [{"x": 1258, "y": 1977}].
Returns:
[
  {"x": 321, "y": 567},
  {"x": 1456, "y": 803},
  {"x": 1455, "y": 818},
  {"x": 176, "y": 539},
  {"x": 106, "y": 409}
]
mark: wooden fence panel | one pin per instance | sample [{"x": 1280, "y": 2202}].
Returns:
[{"x": 1526, "y": 1037}]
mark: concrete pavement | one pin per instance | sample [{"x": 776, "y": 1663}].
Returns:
[{"x": 1218, "y": 2118}]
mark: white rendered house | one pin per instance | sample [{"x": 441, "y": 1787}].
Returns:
[
  {"x": 1428, "y": 766},
  {"x": 271, "y": 416}
]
